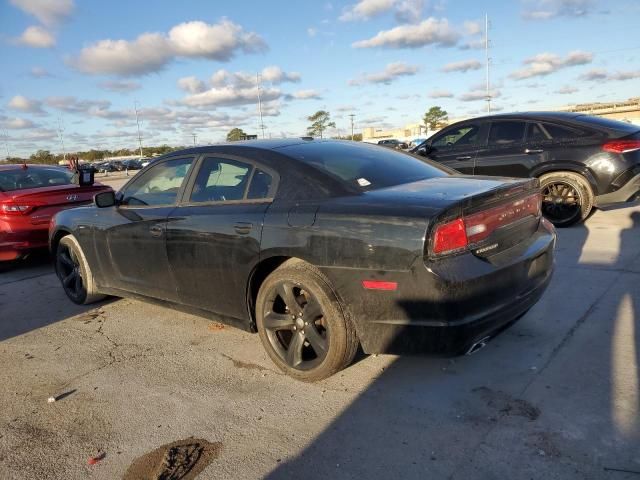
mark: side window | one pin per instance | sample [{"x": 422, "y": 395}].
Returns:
[
  {"x": 457, "y": 137},
  {"x": 159, "y": 185},
  {"x": 561, "y": 133},
  {"x": 535, "y": 133},
  {"x": 220, "y": 180},
  {"x": 260, "y": 185},
  {"x": 506, "y": 133}
]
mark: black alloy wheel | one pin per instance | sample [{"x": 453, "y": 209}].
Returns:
[
  {"x": 295, "y": 326},
  {"x": 70, "y": 273},
  {"x": 561, "y": 202}
]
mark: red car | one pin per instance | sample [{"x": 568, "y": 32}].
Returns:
[{"x": 29, "y": 196}]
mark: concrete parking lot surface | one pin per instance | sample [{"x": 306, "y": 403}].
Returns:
[{"x": 554, "y": 397}]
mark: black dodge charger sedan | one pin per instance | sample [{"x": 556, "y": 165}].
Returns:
[
  {"x": 319, "y": 246},
  {"x": 582, "y": 161}
]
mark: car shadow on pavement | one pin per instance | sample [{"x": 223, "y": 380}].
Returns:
[
  {"x": 32, "y": 282},
  {"x": 555, "y": 396}
]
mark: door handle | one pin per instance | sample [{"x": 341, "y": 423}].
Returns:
[
  {"x": 156, "y": 230},
  {"x": 533, "y": 150},
  {"x": 242, "y": 228},
  {"x": 464, "y": 157}
]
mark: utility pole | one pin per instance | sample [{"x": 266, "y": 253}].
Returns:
[
  {"x": 488, "y": 60},
  {"x": 259, "y": 102},
  {"x": 135, "y": 106},
  {"x": 195, "y": 138},
  {"x": 60, "y": 134},
  {"x": 352, "y": 115}
]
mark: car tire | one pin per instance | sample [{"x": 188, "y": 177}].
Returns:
[
  {"x": 74, "y": 272},
  {"x": 302, "y": 324},
  {"x": 567, "y": 185}
]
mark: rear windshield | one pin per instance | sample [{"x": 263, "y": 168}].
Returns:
[
  {"x": 622, "y": 127},
  {"x": 364, "y": 166},
  {"x": 21, "y": 179}
]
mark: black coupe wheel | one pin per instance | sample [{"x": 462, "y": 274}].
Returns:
[
  {"x": 566, "y": 198},
  {"x": 74, "y": 272},
  {"x": 301, "y": 324}
]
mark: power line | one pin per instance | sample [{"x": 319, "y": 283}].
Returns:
[
  {"x": 195, "y": 138},
  {"x": 486, "y": 53},
  {"x": 6, "y": 142},
  {"x": 60, "y": 134}
]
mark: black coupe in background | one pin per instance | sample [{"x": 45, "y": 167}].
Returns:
[
  {"x": 582, "y": 161},
  {"x": 319, "y": 246}
]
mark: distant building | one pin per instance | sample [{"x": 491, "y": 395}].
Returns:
[
  {"x": 407, "y": 134},
  {"x": 625, "y": 111}
]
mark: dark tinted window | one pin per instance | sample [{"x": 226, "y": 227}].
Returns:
[
  {"x": 33, "y": 177},
  {"x": 558, "y": 132},
  {"x": 536, "y": 133},
  {"x": 220, "y": 180},
  {"x": 457, "y": 137},
  {"x": 505, "y": 133},
  {"x": 607, "y": 123},
  {"x": 364, "y": 166},
  {"x": 260, "y": 185},
  {"x": 159, "y": 185}
]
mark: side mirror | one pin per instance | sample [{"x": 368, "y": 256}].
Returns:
[{"x": 105, "y": 199}]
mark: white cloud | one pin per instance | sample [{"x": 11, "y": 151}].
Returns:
[
  {"x": 18, "y": 123},
  {"x": 215, "y": 42},
  {"x": 39, "y": 72},
  {"x": 365, "y": 9},
  {"x": 475, "y": 95},
  {"x": 275, "y": 75},
  {"x": 462, "y": 66},
  {"x": 151, "y": 52},
  {"x": 440, "y": 94},
  {"x": 391, "y": 72},
  {"x": 120, "y": 86},
  {"x": 473, "y": 28},
  {"x": 431, "y": 31},
  {"x": 566, "y": 90},
  {"x": 73, "y": 105},
  {"x": 409, "y": 11},
  {"x": 24, "y": 104},
  {"x": 37, "y": 37},
  {"x": 306, "y": 95},
  {"x": 312, "y": 32},
  {"x": 548, "y": 63},
  {"x": 547, "y": 9},
  {"x": 192, "y": 84},
  {"x": 49, "y": 12},
  {"x": 599, "y": 74}
]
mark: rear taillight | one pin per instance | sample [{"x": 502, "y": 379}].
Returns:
[
  {"x": 458, "y": 234},
  {"x": 15, "y": 209},
  {"x": 450, "y": 237},
  {"x": 621, "y": 146}
]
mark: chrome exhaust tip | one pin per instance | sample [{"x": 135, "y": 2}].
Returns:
[{"x": 480, "y": 344}]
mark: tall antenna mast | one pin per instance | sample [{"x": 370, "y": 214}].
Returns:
[
  {"x": 6, "y": 142},
  {"x": 352, "y": 115},
  {"x": 195, "y": 138},
  {"x": 60, "y": 134},
  {"x": 259, "y": 102},
  {"x": 488, "y": 60},
  {"x": 135, "y": 107}
]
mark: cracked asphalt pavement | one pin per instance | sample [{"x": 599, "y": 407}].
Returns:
[{"x": 554, "y": 397}]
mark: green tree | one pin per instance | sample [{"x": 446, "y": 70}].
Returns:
[
  {"x": 435, "y": 118},
  {"x": 236, "y": 134},
  {"x": 42, "y": 156},
  {"x": 320, "y": 121},
  {"x": 357, "y": 137}
]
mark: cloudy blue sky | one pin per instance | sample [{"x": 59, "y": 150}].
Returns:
[{"x": 190, "y": 66}]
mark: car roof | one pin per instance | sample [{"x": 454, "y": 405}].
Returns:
[
  {"x": 528, "y": 116},
  {"x": 266, "y": 144}
]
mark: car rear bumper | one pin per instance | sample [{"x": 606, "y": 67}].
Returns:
[
  {"x": 629, "y": 192},
  {"x": 15, "y": 243},
  {"x": 444, "y": 307}
]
